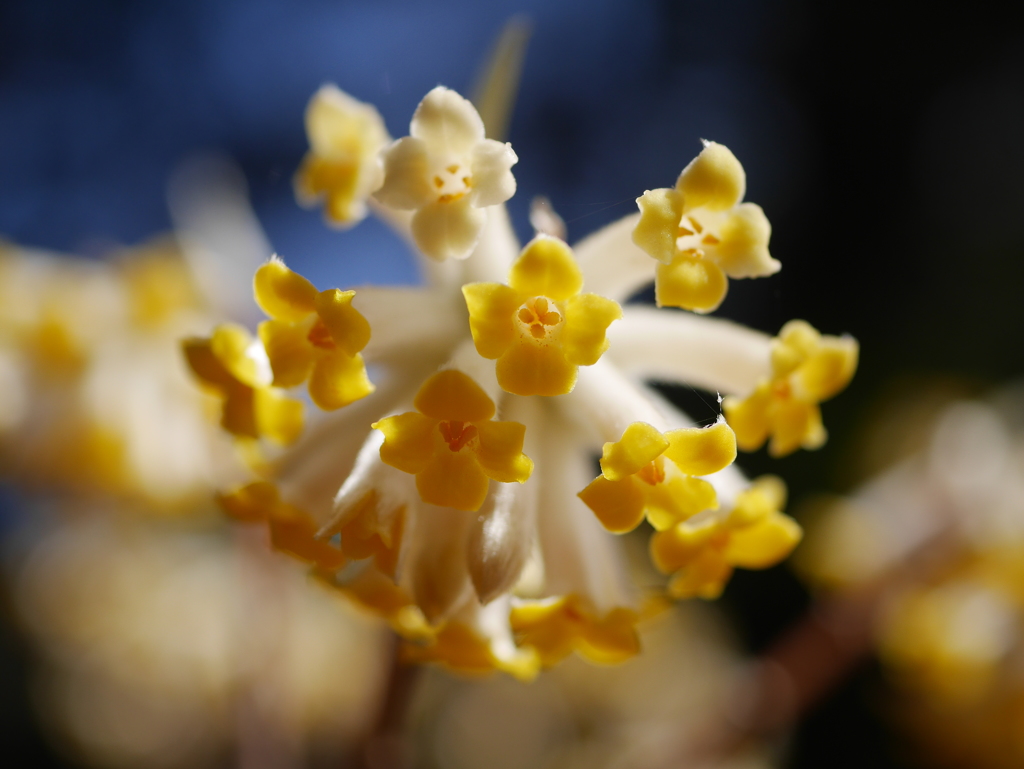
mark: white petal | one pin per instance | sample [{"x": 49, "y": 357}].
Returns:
[
  {"x": 448, "y": 230},
  {"x": 498, "y": 248},
  {"x": 406, "y": 175},
  {"x": 680, "y": 347},
  {"x": 435, "y": 569},
  {"x": 502, "y": 535},
  {"x": 448, "y": 123},
  {"x": 613, "y": 265},
  {"x": 490, "y": 166},
  {"x": 343, "y": 128}
]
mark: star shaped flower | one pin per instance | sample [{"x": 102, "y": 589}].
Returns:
[
  {"x": 448, "y": 173},
  {"x": 701, "y": 234}
]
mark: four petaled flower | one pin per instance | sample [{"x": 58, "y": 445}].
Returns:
[
  {"x": 701, "y": 233},
  {"x": 807, "y": 368},
  {"x": 312, "y": 335},
  {"x": 704, "y": 549},
  {"x": 539, "y": 327},
  {"x": 636, "y": 480},
  {"x": 453, "y": 445},
  {"x": 343, "y": 164},
  {"x": 447, "y": 172},
  {"x": 234, "y": 366}
]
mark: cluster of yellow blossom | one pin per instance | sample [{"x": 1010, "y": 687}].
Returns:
[
  {"x": 453, "y": 495},
  {"x": 942, "y": 532}
]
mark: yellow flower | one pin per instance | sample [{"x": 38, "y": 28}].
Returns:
[
  {"x": 343, "y": 166},
  {"x": 636, "y": 480},
  {"x": 234, "y": 366},
  {"x": 704, "y": 549},
  {"x": 540, "y": 327},
  {"x": 558, "y": 627},
  {"x": 701, "y": 234},
  {"x": 312, "y": 335},
  {"x": 448, "y": 173},
  {"x": 453, "y": 445},
  {"x": 807, "y": 368}
]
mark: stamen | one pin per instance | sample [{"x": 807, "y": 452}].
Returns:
[
  {"x": 451, "y": 197},
  {"x": 710, "y": 240},
  {"x": 525, "y": 315},
  {"x": 683, "y": 232},
  {"x": 452, "y": 168},
  {"x": 438, "y": 182},
  {"x": 696, "y": 225},
  {"x": 457, "y": 434},
  {"x": 320, "y": 337},
  {"x": 537, "y": 330},
  {"x": 653, "y": 473}
]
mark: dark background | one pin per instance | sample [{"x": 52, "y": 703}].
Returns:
[{"x": 884, "y": 144}]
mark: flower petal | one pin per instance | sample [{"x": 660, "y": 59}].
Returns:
[
  {"x": 250, "y": 503},
  {"x": 639, "y": 445},
  {"x": 618, "y": 505},
  {"x": 702, "y": 450},
  {"x": 749, "y": 417},
  {"x": 448, "y": 123},
  {"x": 241, "y": 355},
  {"x": 535, "y": 369},
  {"x": 657, "y": 230},
  {"x": 288, "y": 348},
  {"x": 678, "y": 498},
  {"x": 409, "y": 441},
  {"x": 546, "y": 267},
  {"x": 690, "y": 282},
  {"x": 448, "y": 229},
  {"x": 705, "y": 577},
  {"x": 714, "y": 179},
  {"x": 406, "y": 175},
  {"x": 828, "y": 371},
  {"x": 501, "y": 451},
  {"x": 763, "y": 544},
  {"x": 451, "y": 394},
  {"x": 338, "y": 380},
  {"x": 743, "y": 248},
  {"x": 587, "y": 317},
  {"x": 491, "y": 164},
  {"x": 283, "y": 294},
  {"x": 348, "y": 328},
  {"x": 491, "y": 310},
  {"x": 278, "y": 417},
  {"x": 340, "y": 127},
  {"x": 793, "y": 423},
  {"x": 453, "y": 479},
  {"x": 205, "y": 365}
]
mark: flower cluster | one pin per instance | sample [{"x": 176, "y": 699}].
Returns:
[{"x": 454, "y": 495}]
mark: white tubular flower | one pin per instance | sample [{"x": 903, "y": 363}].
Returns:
[
  {"x": 458, "y": 499},
  {"x": 448, "y": 173}
]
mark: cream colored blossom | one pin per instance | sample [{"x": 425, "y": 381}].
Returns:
[{"x": 448, "y": 173}]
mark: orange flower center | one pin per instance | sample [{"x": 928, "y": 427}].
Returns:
[
  {"x": 781, "y": 389},
  {"x": 653, "y": 473},
  {"x": 320, "y": 337},
  {"x": 457, "y": 434},
  {"x": 452, "y": 183},
  {"x": 691, "y": 228},
  {"x": 537, "y": 315}
]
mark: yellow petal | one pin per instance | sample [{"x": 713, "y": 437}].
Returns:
[
  {"x": 409, "y": 441},
  {"x": 338, "y": 380},
  {"x": 657, "y": 230},
  {"x": 289, "y": 350},
  {"x": 278, "y": 417},
  {"x": 348, "y": 328},
  {"x": 527, "y": 368},
  {"x": 714, "y": 179},
  {"x": 827, "y": 371},
  {"x": 587, "y": 317},
  {"x": 253, "y": 502},
  {"x": 335, "y": 181},
  {"x": 501, "y": 451},
  {"x": 792, "y": 423},
  {"x": 283, "y": 294},
  {"x": 612, "y": 639},
  {"x": 205, "y": 365},
  {"x": 748, "y": 417},
  {"x": 546, "y": 267},
  {"x": 690, "y": 282},
  {"x": 797, "y": 341},
  {"x": 704, "y": 578},
  {"x": 766, "y": 496},
  {"x": 293, "y": 531},
  {"x": 743, "y": 248},
  {"x": 492, "y": 307},
  {"x": 453, "y": 479},
  {"x": 702, "y": 450},
  {"x": 677, "y": 498},
  {"x": 452, "y": 395},
  {"x": 238, "y": 415},
  {"x": 763, "y": 544},
  {"x": 639, "y": 445},
  {"x": 618, "y": 505},
  {"x": 448, "y": 229},
  {"x": 674, "y": 548},
  {"x": 231, "y": 345}
]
